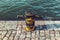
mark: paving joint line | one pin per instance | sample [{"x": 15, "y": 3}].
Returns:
[
  {"x": 9, "y": 35},
  {"x": 5, "y": 34},
  {"x": 14, "y": 35}
]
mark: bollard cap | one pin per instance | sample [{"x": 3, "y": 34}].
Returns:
[{"x": 30, "y": 13}]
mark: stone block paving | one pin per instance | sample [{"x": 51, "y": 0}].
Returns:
[{"x": 16, "y": 32}]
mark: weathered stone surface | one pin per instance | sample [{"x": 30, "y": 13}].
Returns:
[
  {"x": 0, "y": 39},
  {"x": 8, "y": 34},
  {"x": 42, "y": 38},
  {"x": 27, "y": 38},
  {"x": 5, "y": 38},
  {"x": 53, "y": 38},
  {"x": 28, "y": 34},
  {"x": 19, "y": 34},
  {"x": 22, "y": 36}
]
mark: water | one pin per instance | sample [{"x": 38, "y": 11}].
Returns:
[{"x": 12, "y": 8}]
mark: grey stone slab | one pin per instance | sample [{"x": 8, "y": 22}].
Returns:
[
  {"x": 42, "y": 33},
  {"x": 18, "y": 32},
  {"x": 3, "y": 33},
  {"x": 47, "y": 39},
  {"x": 21, "y": 22},
  {"x": 11, "y": 24},
  {"x": 58, "y": 35},
  {"x": 37, "y": 33},
  {"x": 42, "y": 38},
  {"x": 16, "y": 37},
  {"x": 27, "y": 38},
  {"x": 37, "y": 38},
  {"x": 8, "y": 34},
  {"x": 13, "y": 32},
  {"x": 10, "y": 38},
  {"x": 57, "y": 22},
  {"x": 2, "y": 25},
  {"x": 0, "y": 39},
  {"x": 28, "y": 34},
  {"x": 1, "y": 36},
  {"x": 32, "y": 38},
  {"x": 22, "y": 36},
  {"x": 5, "y": 38},
  {"x": 52, "y": 35},
  {"x": 57, "y": 38},
  {"x": 56, "y": 32},
  {"x": 49, "y": 22},
  {"x": 53, "y": 38},
  {"x": 47, "y": 35},
  {"x": 33, "y": 34}
]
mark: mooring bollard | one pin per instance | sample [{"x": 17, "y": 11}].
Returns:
[{"x": 30, "y": 22}]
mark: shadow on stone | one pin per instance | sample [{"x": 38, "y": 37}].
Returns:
[{"x": 40, "y": 27}]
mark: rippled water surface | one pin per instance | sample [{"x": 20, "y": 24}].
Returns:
[{"x": 8, "y": 8}]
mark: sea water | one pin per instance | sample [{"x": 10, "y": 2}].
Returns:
[{"x": 8, "y": 8}]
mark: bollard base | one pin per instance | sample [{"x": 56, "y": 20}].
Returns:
[{"x": 29, "y": 29}]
